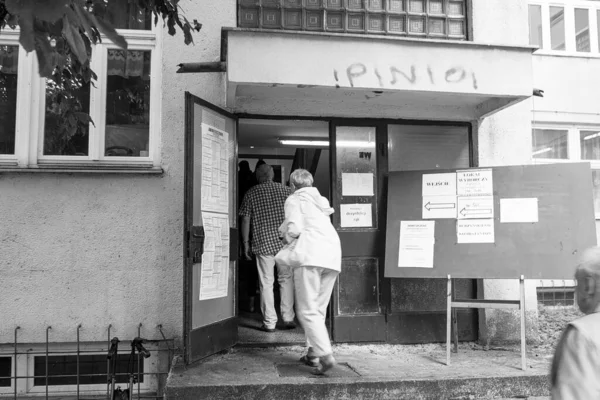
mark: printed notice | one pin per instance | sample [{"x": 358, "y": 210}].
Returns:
[
  {"x": 475, "y": 231},
  {"x": 473, "y": 207},
  {"x": 214, "y": 274},
  {"x": 356, "y": 216},
  {"x": 417, "y": 240},
  {"x": 438, "y": 207},
  {"x": 215, "y": 169},
  {"x": 519, "y": 210},
  {"x": 474, "y": 182},
  {"x": 357, "y": 184},
  {"x": 439, "y": 184}
]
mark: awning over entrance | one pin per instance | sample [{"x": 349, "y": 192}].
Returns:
[{"x": 315, "y": 74}]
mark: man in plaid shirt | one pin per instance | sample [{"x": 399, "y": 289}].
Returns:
[{"x": 262, "y": 209}]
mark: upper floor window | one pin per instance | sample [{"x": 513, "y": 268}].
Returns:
[
  {"x": 567, "y": 26},
  {"x": 439, "y": 19},
  {"x": 43, "y": 123}
]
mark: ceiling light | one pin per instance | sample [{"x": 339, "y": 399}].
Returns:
[
  {"x": 325, "y": 143},
  {"x": 595, "y": 135},
  {"x": 544, "y": 150}
]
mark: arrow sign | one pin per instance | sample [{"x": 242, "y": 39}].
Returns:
[
  {"x": 482, "y": 212},
  {"x": 439, "y": 206},
  {"x": 473, "y": 207},
  {"x": 436, "y": 207}
]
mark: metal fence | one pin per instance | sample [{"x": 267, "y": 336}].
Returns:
[{"x": 157, "y": 347}]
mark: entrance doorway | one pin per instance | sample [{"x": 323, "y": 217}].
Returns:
[{"x": 285, "y": 145}]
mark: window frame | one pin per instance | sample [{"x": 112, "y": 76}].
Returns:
[
  {"x": 31, "y": 99},
  {"x": 573, "y": 147},
  {"x": 569, "y": 7}
]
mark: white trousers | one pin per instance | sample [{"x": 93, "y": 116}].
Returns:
[
  {"x": 285, "y": 277},
  {"x": 314, "y": 286}
]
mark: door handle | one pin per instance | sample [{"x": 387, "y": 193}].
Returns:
[{"x": 197, "y": 243}]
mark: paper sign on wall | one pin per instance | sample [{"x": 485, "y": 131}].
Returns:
[
  {"x": 474, "y": 182},
  {"x": 214, "y": 274},
  {"x": 356, "y": 216},
  {"x": 439, "y": 184},
  {"x": 416, "y": 247},
  {"x": 357, "y": 184},
  {"x": 519, "y": 210},
  {"x": 472, "y": 207},
  {"x": 475, "y": 231},
  {"x": 438, "y": 207}
]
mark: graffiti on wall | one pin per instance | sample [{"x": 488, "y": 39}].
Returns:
[{"x": 392, "y": 76}]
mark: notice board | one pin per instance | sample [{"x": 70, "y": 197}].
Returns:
[{"x": 499, "y": 222}]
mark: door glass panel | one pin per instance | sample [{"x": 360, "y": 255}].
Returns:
[
  {"x": 423, "y": 147},
  {"x": 356, "y": 172}
]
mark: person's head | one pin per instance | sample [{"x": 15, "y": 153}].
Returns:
[
  {"x": 588, "y": 281},
  {"x": 264, "y": 173},
  {"x": 301, "y": 178},
  {"x": 244, "y": 166},
  {"x": 258, "y": 164}
]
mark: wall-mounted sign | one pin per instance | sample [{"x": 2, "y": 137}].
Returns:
[
  {"x": 474, "y": 182},
  {"x": 439, "y": 184}
]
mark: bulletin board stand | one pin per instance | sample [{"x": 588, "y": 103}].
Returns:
[{"x": 453, "y": 304}]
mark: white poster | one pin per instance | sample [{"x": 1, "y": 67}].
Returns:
[
  {"x": 417, "y": 241},
  {"x": 215, "y": 169},
  {"x": 474, "y": 182},
  {"x": 439, "y": 184},
  {"x": 356, "y": 216},
  {"x": 357, "y": 184},
  {"x": 214, "y": 274},
  {"x": 475, "y": 207},
  {"x": 438, "y": 207},
  {"x": 519, "y": 210},
  {"x": 475, "y": 231}
]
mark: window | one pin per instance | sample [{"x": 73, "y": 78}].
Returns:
[
  {"x": 43, "y": 123},
  {"x": 445, "y": 19},
  {"x": 556, "y": 296},
  {"x": 572, "y": 143},
  {"x": 5, "y": 371},
  {"x": 567, "y": 28}
]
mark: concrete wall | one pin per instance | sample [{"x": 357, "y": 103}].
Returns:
[
  {"x": 101, "y": 249},
  {"x": 504, "y": 139}
]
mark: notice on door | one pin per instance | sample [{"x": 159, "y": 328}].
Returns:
[
  {"x": 475, "y": 231},
  {"x": 357, "y": 184},
  {"x": 215, "y": 169},
  {"x": 439, "y": 184},
  {"x": 417, "y": 241},
  {"x": 214, "y": 271},
  {"x": 356, "y": 216},
  {"x": 474, "y": 182}
]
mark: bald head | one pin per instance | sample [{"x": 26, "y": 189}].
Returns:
[{"x": 588, "y": 281}]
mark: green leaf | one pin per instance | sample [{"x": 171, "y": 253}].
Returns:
[
  {"x": 75, "y": 41},
  {"x": 27, "y": 33},
  {"x": 109, "y": 31},
  {"x": 45, "y": 55}
]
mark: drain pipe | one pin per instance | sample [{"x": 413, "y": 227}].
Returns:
[{"x": 217, "y": 66}]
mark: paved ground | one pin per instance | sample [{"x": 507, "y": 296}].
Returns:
[{"x": 367, "y": 371}]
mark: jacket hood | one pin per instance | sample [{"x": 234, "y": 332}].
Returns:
[{"x": 312, "y": 194}]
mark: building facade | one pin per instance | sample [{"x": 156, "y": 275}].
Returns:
[{"x": 92, "y": 232}]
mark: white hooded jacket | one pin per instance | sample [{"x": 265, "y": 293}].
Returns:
[{"x": 307, "y": 215}]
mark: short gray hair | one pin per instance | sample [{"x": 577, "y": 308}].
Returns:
[
  {"x": 264, "y": 173},
  {"x": 301, "y": 178},
  {"x": 589, "y": 263}
]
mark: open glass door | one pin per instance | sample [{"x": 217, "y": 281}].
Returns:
[{"x": 210, "y": 241}]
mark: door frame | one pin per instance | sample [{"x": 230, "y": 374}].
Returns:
[
  {"x": 385, "y": 283},
  {"x": 197, "y": 341}
]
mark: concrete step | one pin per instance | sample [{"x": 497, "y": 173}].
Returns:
[{"x": 363, "y": 372}]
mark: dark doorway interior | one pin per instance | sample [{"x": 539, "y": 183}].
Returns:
[{"x": 285, "y": 145}]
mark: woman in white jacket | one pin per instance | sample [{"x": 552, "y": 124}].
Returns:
[{"x": 319, "y": 256}]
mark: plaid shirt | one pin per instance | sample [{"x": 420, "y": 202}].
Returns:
[{"x": 264, "y": 204}]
